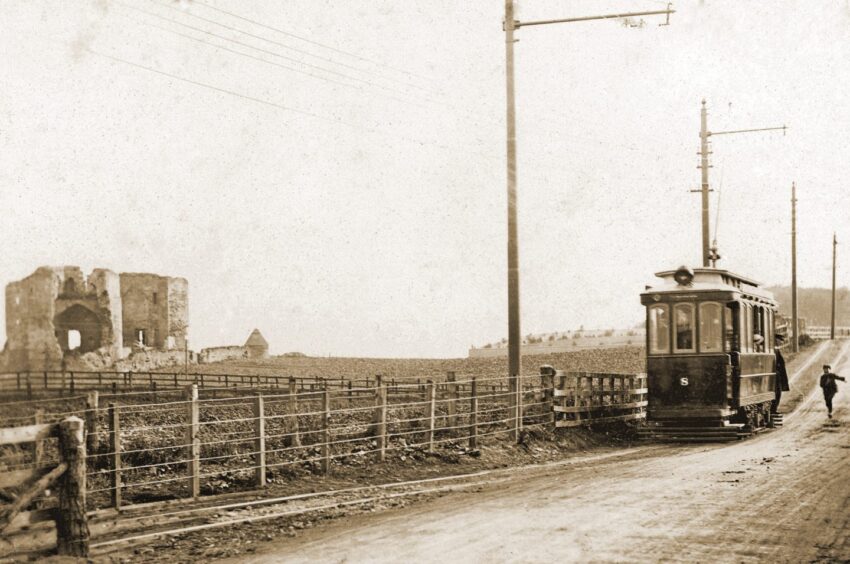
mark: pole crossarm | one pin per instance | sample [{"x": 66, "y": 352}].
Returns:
[
  {"x": 518, "y": 24},
  {"x": 783, "y": 128}
]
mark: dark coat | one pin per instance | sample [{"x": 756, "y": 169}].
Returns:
[
  {"x": 781, "y": 374},
  {"x": 827, "y": 382}
]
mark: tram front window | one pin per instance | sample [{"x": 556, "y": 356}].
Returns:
[
  {"x": 710, "y": 336},
  {"x": 684, "y": 316},
  {"x": 659, "y": 330}
]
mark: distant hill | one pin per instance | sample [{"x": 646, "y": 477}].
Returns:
[{"x": 815, "y": 304}]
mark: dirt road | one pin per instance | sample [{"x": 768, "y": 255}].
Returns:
[{"x": 781, "y": 496}]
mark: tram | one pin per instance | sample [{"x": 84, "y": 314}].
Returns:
[{"x": 710, "y": 359}]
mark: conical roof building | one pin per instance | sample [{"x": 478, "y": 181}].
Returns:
[{"x": 257, "y": 345}]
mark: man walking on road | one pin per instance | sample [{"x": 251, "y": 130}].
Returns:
[{"x": 830, "y": 388}]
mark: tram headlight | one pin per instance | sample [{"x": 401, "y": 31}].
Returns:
[{"x": 683, "y": 276}]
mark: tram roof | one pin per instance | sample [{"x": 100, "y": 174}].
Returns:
[{"x": 712, "y": 279}]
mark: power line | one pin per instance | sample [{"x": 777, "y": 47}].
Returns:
[
  {"x": 413, "y": 98},
  {"x": 260, "y": 59},
  {"x": 312, "y": 42},
  {"x": 285, "y": 46},
  {"x": 217, "y": 88},
  {"x": 310, "y": 65}
]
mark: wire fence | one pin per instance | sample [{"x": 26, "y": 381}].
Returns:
[{"x": 199, "y": 441}]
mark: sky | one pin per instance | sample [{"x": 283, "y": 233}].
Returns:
[{"x": 333, "y": 173}]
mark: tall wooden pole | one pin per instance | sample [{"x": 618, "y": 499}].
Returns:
[
  {"x": 795, "y": 324},
  {"x": 832, "y": 320},
  {"x": 703, "y": 137},
  {"x": 514, "y": 352}
]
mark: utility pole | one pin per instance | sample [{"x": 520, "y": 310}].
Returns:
[
  {"x": 708, "y": 254},
  {"x": 832, "y": 322},
  {"x": 514, "y": 336},
  {"x": 795, "y": 324},
  {"x": 703, "y": 151}
]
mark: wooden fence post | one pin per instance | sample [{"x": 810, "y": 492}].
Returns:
[
  {"x": 381, "y": 420},
  {"x": 115, "y": 454},
  {"x": 72, "y": 529},
  {"x": 38, "y": 446},
  {"x": 432, "y": 411},
  {"x": 326, "y": 430},
  {"x": 473, "y": 415},
  {"x": 547, "y": 382},
  {"x": 451, "y": 405},
  {"x": 92, "y": 414},
  {"x": 29, "y": 387},
  {"x": 260, "y": 440},
  {"x": 194, "y": 441},
  {"x": 350, "y": 394},
  {"x": 292, "y": 427},
  {"x": 376, "y": 411}
]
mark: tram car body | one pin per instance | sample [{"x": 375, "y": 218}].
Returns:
[{"x": 710, "y": 357}]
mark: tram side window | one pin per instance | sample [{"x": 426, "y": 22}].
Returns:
[
  {"x": 731, "y": 337},
  {"x": 659, "y": 330},
  {"x": 747, "y": 329},
  {"x": 710, "y": 336},
  {"x": 770, "y": 341},
  {"x": 758, "y": 329},
  {"x": 684, "y": 317}
]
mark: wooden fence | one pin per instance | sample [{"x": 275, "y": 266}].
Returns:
[
  {"x": 29, "y": 385},
  {"x": 581, "y": 398},
  {"x": 30, "y": 481}
]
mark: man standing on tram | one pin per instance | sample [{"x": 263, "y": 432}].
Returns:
[{"x": 781, "y": 380}]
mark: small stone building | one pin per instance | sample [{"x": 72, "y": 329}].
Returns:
[
  {"x": 58, "y": 311},
  {"x": 257, "y": 345}
]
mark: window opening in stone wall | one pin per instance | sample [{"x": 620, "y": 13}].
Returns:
[
  {"x": 170, "y": 343},
  {"x": 140, "y": 337},
  {"x": 70, "y": 286},
  {"x": 154, "y": 298},
  {"x": 74, "y": 339}
]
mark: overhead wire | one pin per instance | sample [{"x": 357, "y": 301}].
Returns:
[
  {"x": 310, "y": 41},
  {"x": 278, "y": 43}
]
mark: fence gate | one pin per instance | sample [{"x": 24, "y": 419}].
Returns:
[
  {"x": 37, "y": 472},
  {"x": 582, "y": 398}
]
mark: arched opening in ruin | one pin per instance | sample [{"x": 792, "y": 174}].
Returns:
[{"x": 78, "y": 326}]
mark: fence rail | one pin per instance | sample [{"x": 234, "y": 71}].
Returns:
[{"x": 29, "y": 385}]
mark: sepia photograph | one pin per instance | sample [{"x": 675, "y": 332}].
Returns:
[{"x": 424, "y": 281}]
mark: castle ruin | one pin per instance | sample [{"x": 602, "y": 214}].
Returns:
[{"x": 57, "y": 314}]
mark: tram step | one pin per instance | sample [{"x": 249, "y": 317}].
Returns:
[
  {"x": 699, "y": 439},
  {"x": 693, "y": 430}
]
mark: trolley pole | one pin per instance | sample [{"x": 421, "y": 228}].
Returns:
[
  {"x": 514, "y": 335},
  {"x": 795, "y": 324},
  {"x": 832, "y": 321},
  {"x": 704, "y": 134}
]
